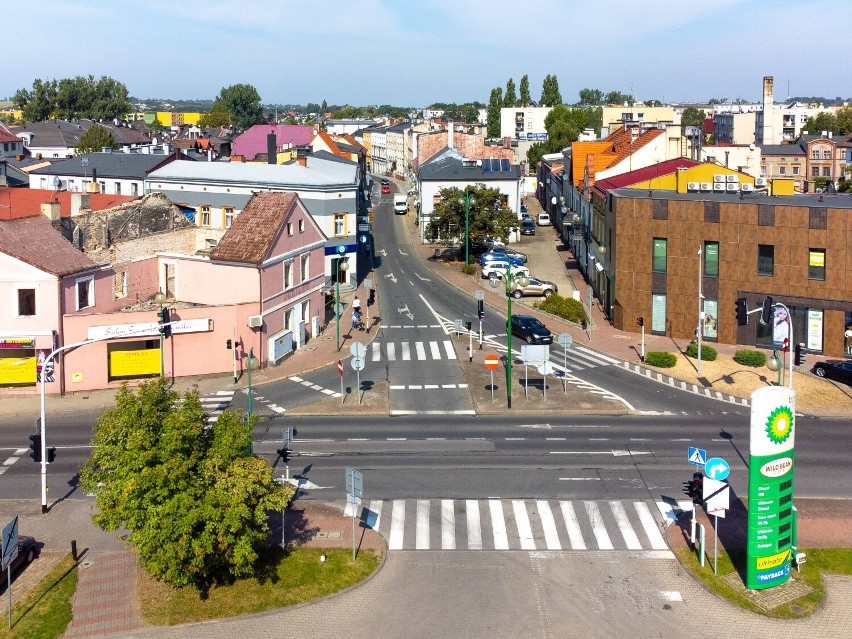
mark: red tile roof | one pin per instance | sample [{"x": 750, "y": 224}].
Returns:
[
  {"x": 644, "y": 174},
  {"x": 20, "y": 202},
  {"x": 254, "y": 230},
  {"x": 34, "y": 240},
  {"x": 5, "y": 136}
]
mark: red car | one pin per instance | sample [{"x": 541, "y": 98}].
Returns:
[{"x": 386, "y": 188}]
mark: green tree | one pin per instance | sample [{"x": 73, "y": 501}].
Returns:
[
  {"x": 525, "y": 98},
  {"x": 347, "y": 112},
  {"x": 94, "y": 140},
  {"x": 591, "y": 97},
  {"x": 242, "y": 102},
  {"x": 79, "y": 97},
  {"x": 617, "y": 97},
  {"x": 487, "y": 216},
  {"x": 564, "y": 126},
  {"x": 843, "y": 116},
  {"x": 193, "y": 499},
  {"x": 215, "y": 119},
  {"x": 510, "y": 99},
  {"x": 821, "y": 122},
  {"x": 550, "y": 95},
  {"x": 494, "y": 105},
  {"x": 692, "y": 116},
  {"x": 38, "y": 104},
  {"x": 157, "y": 126}
]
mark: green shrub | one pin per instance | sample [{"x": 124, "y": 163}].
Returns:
[
  {"x": 708, "y": 353},
  {"x": 748, "y": 357},
  {"x": 661, "y": 359},
  {"x": 468, "y": 269},
  {"x": 565, "y": 307}
]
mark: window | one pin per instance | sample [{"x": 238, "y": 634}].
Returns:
[
  {"x": 660, "y": 249},
  {"x": 134, "y": 189},
  {"x": 782, "y": 170},
  {"x": 288, "y": 274},
  {"x": 289, "y": 228},
  {"x": 102, "y": 184},
  {"x": 118, "y": 188},
  {"x": 71, "y": 186},
  {"x": 826, "y": 171},
  {"x": 826, "y": 155},
  {"x": 816, "y": 264},
  {"x": 301, "y": 226},
  {"x": 795, "y": 170},
  {"x": 26, "y": 302},
  {"x": 815, "y": 154},
  {"x": 763, "y": 170},
  {"x": 765, "y": 259},
  {"x": 205, "y": 216},
  {"x": 339, "y": 223},
  {"x": 711, "y": 259},
  {"x": 815, "y": 171},
  {"x": 658, "y": 313},
  {"x": 229, "y": 217},
  {"x": 85, "y": 292},
  {"x": 305, "y": 266}
]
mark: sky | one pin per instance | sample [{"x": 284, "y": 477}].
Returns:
[{"x": 413, "y": 53}]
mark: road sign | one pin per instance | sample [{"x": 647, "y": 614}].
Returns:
[
  {"x": 696, "y": 456},
  {"x": 340, "y": 248},
  {"x": 492, "y": 361},
  {"x": 368, "y": 284},
  {"x": 357, "y": 349},
  {"x": 354, "y": 482},
  {"x": 717, "y": 468},
  {"x": 357, "y": 364},
  {"x": 545, "y": 368},
  {"x": 362, "y": 239},
  {"x": 10, "y": 542},
  {"x": 716, "y": 496},
  {"x": 535, "y": 354},
  {"x": 340, "y": 366},
  {"x": 565, "y": 340},
  {"x": 479, "y": 294},
  {"x": 287, "y": 435}
]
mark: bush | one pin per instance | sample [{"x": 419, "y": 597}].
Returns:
[
  {"x": 708, "y": 353},
  {"x": 468, "y": 269},
  {"x": 565, "y": 307},
  {"x": 661, "y": 359},
  {"x": 748, "y": 357}
]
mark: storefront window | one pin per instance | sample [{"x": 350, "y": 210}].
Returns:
[
  {"x": 658, "y": 313},
  {"x": 816, "y": 264},
  {"x": 711, "y": 259},
  {"x": 133, "y": 360},
  {"x": 660, "y": 250},
  {"x": 807, "y": 328}
]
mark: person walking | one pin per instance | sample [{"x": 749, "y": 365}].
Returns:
[{"x": 356, "y": 304}]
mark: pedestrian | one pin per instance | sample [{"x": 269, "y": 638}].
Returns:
[
  {"x": 356, "y": 304},
  {"x": 356, "y": 319}
]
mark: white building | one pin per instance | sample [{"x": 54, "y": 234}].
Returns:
[{"x": 523, "y": 123}]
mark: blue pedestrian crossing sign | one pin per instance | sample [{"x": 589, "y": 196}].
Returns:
[
  {"x": 717, "y": 468},
  {"x": 697, "y": 456}
]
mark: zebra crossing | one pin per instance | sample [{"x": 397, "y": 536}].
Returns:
[
  {"x": 214, "y": 404},
  {"x": 516, "y": 524}
]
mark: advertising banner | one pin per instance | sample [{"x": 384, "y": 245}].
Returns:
[
  {"x": 769, "y": 538},
  {"x": 134, "y": 363},
  {"x": 17, "y": 370}
]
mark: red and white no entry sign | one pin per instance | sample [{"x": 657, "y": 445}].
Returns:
[
  {"x": 340, "y": 367},
  {"x": 492, "y": 361}
]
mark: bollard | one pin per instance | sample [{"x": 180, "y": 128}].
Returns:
[{"x": 74, "y": 549}]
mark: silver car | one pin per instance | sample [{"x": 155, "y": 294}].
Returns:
[{"x": 542, "y": 288}]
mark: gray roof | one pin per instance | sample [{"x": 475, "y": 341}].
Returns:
[
  {"x": 14, "y": 175},
  {"x": 319, "y": 174},
  {"x": 108, "y": 165},
  {"x": 197, "y": 198},
  {"x": 399, "y": 128},
  {"x": 781, "y": 149},
  {"x": 451, "y": 168},
  {"x": 839, "y": 201},
  {"x": 322, "y": 154}
]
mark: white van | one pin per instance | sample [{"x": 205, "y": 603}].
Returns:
[{"x": 400, "y": 204}]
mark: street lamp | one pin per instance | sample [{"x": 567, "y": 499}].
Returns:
[
  {"x": 340, "y": 265},
  {"x": 774, "y": 364},
  {"x": 467, "y": 199},
  {"x": 159, "y": 298},
  {"x": 511, "y": 283}
]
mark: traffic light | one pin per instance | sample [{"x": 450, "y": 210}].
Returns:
[
  {"x": 697, "y": 488},
  {"x": 468, "y": 325},
  {"x": 165, "y": 327},
  {"x": 640, "y": 321},
  {"x": 228, "y": 344},
  {"x": 742, "y": 311},
  {"x": 480, "y": 308},
  {"x": 35, "y": 447},
  {"x": 766, "y": 311},
  {"x": 51, "y": 454},
  {"x": 284, "y": 454},
  {"x": 799, "y": 358}
]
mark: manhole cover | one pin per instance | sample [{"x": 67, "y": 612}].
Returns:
[
  {"x": 86, "y": 564},
  {"x": 324, "y": 534}
]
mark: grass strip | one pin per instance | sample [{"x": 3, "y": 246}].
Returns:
[{"x": 45, "y": 611}]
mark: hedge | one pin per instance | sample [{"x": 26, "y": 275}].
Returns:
[
  {"x": 661, "y": 359},
  {"x": 708, "y": 353},
  {"x": 748, "y": 357},
  {"x": 565, "y": 307}
]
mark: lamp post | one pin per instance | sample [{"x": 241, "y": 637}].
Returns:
[
  {"x": 250, "y": 427},
  {"x": 511, "y": 285},
  {"x": 700, "y": 329},
  {"x": 774, "y": 364},
  {"x": 159, "y": 298},
  {"x": 340, "y": 265},
  {"x": 467, "y": 199}
]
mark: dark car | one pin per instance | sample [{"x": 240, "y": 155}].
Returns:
[
  {"x": 27, "y": 551},
  {"x": 837, "y": 369},
  {"x": 527, "y": 226},
  {"x": 502, "y": 256},
  {"x": 385, "y": 181},
  {"x": 530, "y": 329}
]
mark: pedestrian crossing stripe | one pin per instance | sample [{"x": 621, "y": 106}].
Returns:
[{"x": 515, "y": 524}]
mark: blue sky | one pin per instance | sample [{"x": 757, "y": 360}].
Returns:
[{"x": 410, "y": 53}]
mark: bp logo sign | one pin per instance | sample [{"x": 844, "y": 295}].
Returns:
[{"x": 779, "y": 426}]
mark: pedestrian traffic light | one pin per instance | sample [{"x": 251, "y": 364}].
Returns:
[
  {"x": 165, "y": 327},
  {"x": 480, "y": 308},
  {"x": 284, "y": 454},
  {"x": 228, "y": 344},
  {"x": 35, "y": 447},
  {"x": 51, "y": 454},
  {"x": 799, "y": 358},
  {"x": 742, "y": 311},
  {"x": 640, "y": 321},
  {"x": 766, "y": 311},
  {"x": 468, "y": 325}
]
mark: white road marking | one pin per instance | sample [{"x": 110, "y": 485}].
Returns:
[
  {"x": 498, "y": 525},
  {"x": 572, "y": 525},
  {"x": 448, "y": 525},
  {"x": 598, "y": 528},
  {"x": 474, "y": 530},
  {"x": 377, "y": 351},
  {"x": 406, "y": 352},
  {"x": 448, "y": 347},
  {"x": 421, "y": 351},
  {"x": 421, "y": 541},
  {"x": 391, "y": 348},
  {"x": 374, "y": 515},
  {"x": 397, "y": 525},
  {"x": 671, "y": 595},
  {"x": 630, "y": 538},
  {"x": 551, "y": 536},
  {"x": 522, "y": 522},
  {"x": 650, "y": 526}
]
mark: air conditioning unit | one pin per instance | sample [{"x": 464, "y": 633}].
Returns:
[
  {"x": 760, "y": 182},
  {"x": 745, "y": 187},
  {"x": 718, "y": 186},
  {"x": 718, "y": 178},
  {"x": 255, "y": 321},
  {"x": 692, "y": 186},
  {"x": 706, "y": 186},
  {"x": 731, "y": 186},
  {"x": 733, "y": 178}
]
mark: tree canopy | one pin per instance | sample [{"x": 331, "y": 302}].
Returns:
[
  {"x": 94, "y": 140},
  {"x": 564, "y": 125},
  {"x": 839, "y": 123},
  {"x": 487, "y": 215},
  {"x": 495, "y": 103},
  {"x": 510, "y": 99},
  {"x": 525, "y": 98},
  {"x": 242, "y": 103},
  {"x": 194, "y": 499},
  {"x": 692, "y": 116},
  {"x": 79, "y": 97},
  {"x": 550, "y": 95}
]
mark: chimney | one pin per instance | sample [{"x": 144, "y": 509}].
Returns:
[
  {"x": 450, "y": 134},
  {"x": 303, "y": 160},
  {"x": 271, "y": 152},
  {"x": 768, "y": 110},
  {"x": 50, "y": 210},
  {"x": 507, "y": 142},
  {"x": 80, "y": 202}
]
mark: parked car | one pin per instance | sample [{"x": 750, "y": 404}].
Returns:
[
  {"x": 498, "y": 268},
  {"x": 527, "y": 226},
  {"x": 491, "y": 256},
  {"x": 385, "y": 188},
  {"x": 543, "y": 219},
  {"x": 837, "y": 369},
  {"x": 400, "y": 204},
  {"x": 535, "y": 287},
  {"x": 508, "y": 250},
  {"x": 524, "y": 208},
  {"x": 385, "y": 181},
  {"x": 530, "y": 329},
  {"x": 27, "y": 552}
]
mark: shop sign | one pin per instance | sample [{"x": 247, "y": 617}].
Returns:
[
  {"x": 146, "y": 329},
  {"x": 17, "y": 342}
]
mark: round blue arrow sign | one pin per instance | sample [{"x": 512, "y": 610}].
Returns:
[
  {"x": 341, "y": 248},
  {"x": 717, "y": 468}
]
